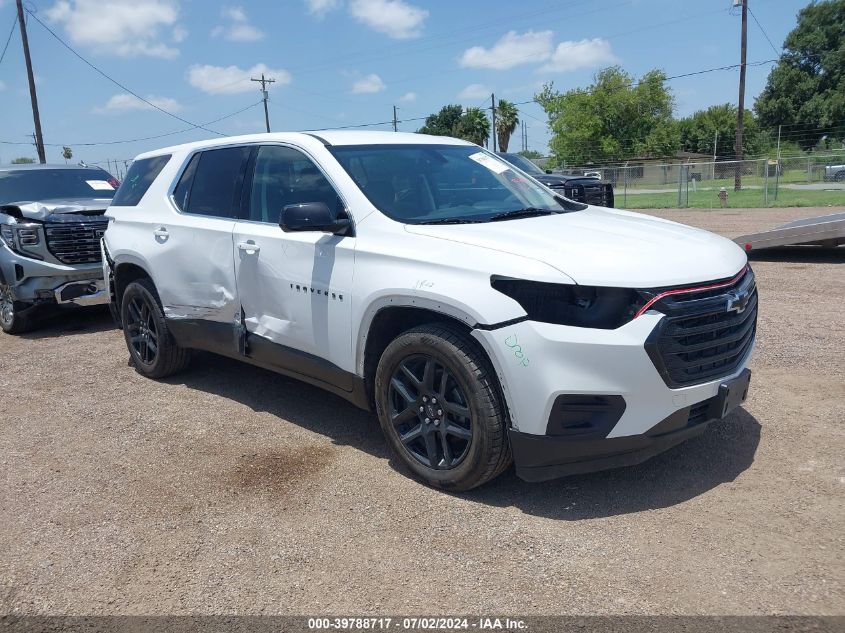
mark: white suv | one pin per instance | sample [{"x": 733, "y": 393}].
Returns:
[{"x": 482, "y": 316}]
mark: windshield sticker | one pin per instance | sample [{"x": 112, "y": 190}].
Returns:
[
  {"x": 100, "y": 185},
  {"x": 494, "y": 165}
]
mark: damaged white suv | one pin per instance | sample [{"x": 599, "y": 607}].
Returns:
[{"x": 483, "y": 317}]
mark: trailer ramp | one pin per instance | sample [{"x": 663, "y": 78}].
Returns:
[{"x": 824, "y": 230}]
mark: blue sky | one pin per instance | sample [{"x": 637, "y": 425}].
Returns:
[{"x": 347, "y": 62}]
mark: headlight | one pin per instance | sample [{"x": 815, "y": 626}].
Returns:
[
  {"x": 579, "y": 306},
  {"x": 21, "y": 238}
]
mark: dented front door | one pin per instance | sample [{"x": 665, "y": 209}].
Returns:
[{"x": 294, "y": 288}]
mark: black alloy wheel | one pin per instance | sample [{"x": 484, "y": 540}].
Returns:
[
  {"x": 440, "y": 407},
  {"x": 430, "y": 412},
  {"x": 141, "y": 330},
  {"x": 152, "y": 349}
]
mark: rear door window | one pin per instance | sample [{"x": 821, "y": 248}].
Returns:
[
  {"x": 138, "y": 179},
  {"x": 215, "y": 189},
  {"x": 183, "y": 188}
]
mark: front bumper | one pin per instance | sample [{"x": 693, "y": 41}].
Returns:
[
  {"x": 41, "y": 282},
  {"x": 540, "y": 458},
  {"x": 541, "y": 364}
]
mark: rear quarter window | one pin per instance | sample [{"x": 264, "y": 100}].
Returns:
[{"x": 138, "y": 179}]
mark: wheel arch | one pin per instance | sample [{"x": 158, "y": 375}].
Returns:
[
  {"x": 125, "y": 272},
  {"x": 389, "y": 317}
]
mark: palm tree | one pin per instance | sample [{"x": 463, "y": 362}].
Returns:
[
  {"x": 507, "y": 118},
  {"x": 473, "y": 126}
]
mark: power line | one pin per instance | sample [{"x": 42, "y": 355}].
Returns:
[
  {"x": 9, "y": 39},
  {"x": 145, "y": 138},
  {"x": 117, "y": 83},
  {"x": 763, "y": 31}
]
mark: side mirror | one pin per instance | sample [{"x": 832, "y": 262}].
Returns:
[
  {"x": 548, "y": 171},
  {"x": 312, "y": 216}
]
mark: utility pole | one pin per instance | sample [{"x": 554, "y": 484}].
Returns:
[
  {"x": 394, "y": 119},
  {"x": 740, "y": 111},
  {"x": 36, "y": 117},
  {"x": 777, "y": 166},
  {"x": 264, "y": 83},
  {"x": 493, "y": 108}
]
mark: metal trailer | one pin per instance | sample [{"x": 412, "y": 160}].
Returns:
[{"x": 825, "y": 230}]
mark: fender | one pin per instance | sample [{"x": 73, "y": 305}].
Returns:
[{"x": 405, "y": 301}]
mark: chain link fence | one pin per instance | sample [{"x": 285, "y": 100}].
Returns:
[{"x": 816, "y": 180}]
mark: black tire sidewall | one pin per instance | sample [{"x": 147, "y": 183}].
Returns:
[{"x": 478, "y": 394}]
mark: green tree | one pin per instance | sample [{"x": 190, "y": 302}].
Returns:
[
  {"x": 67, "y": 153},
  {"x": 613, "y": 119},
  {"x": 23, "y": 160},
  {"x": 507, "y": 118},
  {"x": 718, "y": 123},
  {"x": 473, "y": 126},
  {"x": 444, "y": 122},
  {"x": 806, "y": 90}
]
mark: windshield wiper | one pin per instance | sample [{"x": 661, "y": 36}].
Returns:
[
  {"x": 451, "y": 221},
  {"x": 527, "y": 212}
]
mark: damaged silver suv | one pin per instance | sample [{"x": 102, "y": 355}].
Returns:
[{"x": 51, "y": 222}]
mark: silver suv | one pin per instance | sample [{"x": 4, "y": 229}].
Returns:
[{"x": 51, "y": 223}]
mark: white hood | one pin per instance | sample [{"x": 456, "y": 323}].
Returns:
[{"x": 605, "y": 247}]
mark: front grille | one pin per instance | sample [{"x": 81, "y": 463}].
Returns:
[
  {"x": 706, "y": 333},
  {"x": 76, "y": 242},
  {"x": 595, "y": 193}
]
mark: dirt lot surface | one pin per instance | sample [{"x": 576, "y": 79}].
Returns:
[{"x": 229, "y": 489}]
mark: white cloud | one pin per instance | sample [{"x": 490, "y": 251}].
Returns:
[
  {"x": 2, "y": 86},
  {"x": 127, "y": 28},
  {"x": 408, "y": 96},
  {"x": 320, "y": 8},
  {"x": 124, "y": 102},
  {"x": 581, "y": 54},
  {"x": 368, "y": 84},
  {"x": 394, "y": 18},
  {"x": 231, "y": 79},
  {"x": 511, "y": 50},
  {"x": 237, "y": 27},
  {"x": 474, "y": 91},
  {"x": 179, "y": 34}
]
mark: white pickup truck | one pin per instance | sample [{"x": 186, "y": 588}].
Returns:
[{"x": 482, "y": 316}]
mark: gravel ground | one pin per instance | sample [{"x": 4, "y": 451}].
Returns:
[{"x": 229, "y": 489}]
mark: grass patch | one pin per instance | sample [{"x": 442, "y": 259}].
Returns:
[{"x": 745, "y": 199}]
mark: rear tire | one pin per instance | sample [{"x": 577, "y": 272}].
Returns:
[
  {"x": 11, "y": 321},
  {"x": 152, "y": 348},
  {"x": 437, "y": 373}
]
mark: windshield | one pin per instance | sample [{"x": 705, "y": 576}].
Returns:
[
  {"x": 426, "y": 184},
  {"x": 523, "y": 163},
  {"x": 31, "y": 185}
]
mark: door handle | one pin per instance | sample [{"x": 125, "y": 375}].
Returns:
[{"x": 250, "y": 248}]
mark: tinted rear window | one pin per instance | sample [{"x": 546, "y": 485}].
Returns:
[
  {"x": 138, "y": 179},
  {"x": 216, "y": 186},
  {"x": 32, "y": 185}
]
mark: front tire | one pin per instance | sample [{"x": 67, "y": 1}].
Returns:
[
  {"x": 11, "y": 320},
  {"x": 152, "y": 348},
  {"x": 439, "y": 407}
]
